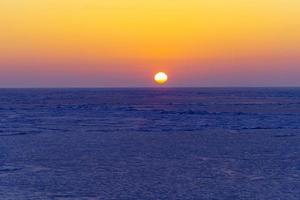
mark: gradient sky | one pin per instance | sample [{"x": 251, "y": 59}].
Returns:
[{"x": 110, "y": 43}]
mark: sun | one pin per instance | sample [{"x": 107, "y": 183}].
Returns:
[{"x": 161, "y": 78}]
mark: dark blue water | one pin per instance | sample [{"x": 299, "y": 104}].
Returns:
[{"x": 207, "y": 144}]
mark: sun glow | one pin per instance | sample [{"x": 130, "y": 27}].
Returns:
[{"x": 161, "y": 78}]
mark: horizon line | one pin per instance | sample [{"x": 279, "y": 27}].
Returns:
[{"x": 146, "y": 87}]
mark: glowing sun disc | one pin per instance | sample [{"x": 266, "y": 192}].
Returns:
[{"x": 161, "y": 78}]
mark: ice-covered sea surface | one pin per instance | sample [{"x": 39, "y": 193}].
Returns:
[{"x": 206, "y": 144}]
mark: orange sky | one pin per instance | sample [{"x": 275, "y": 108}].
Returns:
[{"x": 54, "y": 43}]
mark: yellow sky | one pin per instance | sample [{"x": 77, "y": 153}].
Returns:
[{"x": 155, "y": 32}]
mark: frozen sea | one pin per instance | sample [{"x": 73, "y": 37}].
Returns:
[{"x": 159, "y": 143}]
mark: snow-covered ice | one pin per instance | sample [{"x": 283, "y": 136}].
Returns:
[{"x": 159, "y": 143}]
